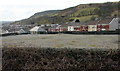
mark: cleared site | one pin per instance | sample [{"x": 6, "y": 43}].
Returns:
[{"x": 61, "y": 41}]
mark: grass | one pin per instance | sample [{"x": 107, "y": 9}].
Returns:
[
  {"x": 93, "y": 46},
  {"x": 74, "y": 41},
  {"x": 85, "y": 11},
  {"x": 43, "y": 38},
  {"x": 59, "y": 45}
]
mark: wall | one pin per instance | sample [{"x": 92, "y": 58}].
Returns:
[{"x": 113, "y": 24}]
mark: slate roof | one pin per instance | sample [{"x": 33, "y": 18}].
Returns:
[
  {"x": 105, "y": 21},
  {"x": 92, "y": 22},
  {"x": 76, "y": 23},
  {"x": 46, "y": 27},
  {"x": 54, "y": 26},
  {"x": 73, "y": 24}
]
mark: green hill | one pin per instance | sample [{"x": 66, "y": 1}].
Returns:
[{"x": 83, "y": 12}]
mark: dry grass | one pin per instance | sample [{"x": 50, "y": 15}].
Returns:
[{"x": 62, "y": 40}]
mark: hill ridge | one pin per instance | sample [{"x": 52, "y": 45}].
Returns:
[{"x": 83, "y": 12}]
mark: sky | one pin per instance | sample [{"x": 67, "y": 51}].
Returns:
[{"x": 14, "y": 10}]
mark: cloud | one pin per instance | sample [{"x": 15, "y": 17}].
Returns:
[{"x": 20, "y": 9}]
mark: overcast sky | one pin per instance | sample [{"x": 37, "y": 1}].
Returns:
[{"x": 13, "y": 10}]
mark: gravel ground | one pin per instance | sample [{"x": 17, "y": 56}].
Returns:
[{"x": 62, "y": 40}]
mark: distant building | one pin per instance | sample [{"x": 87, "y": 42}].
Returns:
[
  {"x": 54, "y": 28},
  {"x": 77, "y": 26},
  {"x": 22, "y": 31},
  {"x": 64, "y": 27},
  {"x": 108, "y": 25},
  {"x": 4, "y": 31},
  {"x": 37, "y": 30},
  {"x": 103, "y": 25},
  {"x": 92, "y": 26}
]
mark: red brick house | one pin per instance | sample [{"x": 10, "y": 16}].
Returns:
[{"x": 83, "y": 28}]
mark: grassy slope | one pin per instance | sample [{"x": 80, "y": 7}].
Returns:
[
  {"x": 84, "y": 18},
  {"x": 84, "y": 12}
]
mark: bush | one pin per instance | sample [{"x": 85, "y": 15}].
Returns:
[{"x": 64, "y": 58}]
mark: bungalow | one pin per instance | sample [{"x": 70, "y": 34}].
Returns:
[
  {"x": 103, "y": 25},
  {"x": 92, "y": 26},
  {"x": 37, "y": 30},
  {"x": 46, "y": 28},
  {"x": 74, "y": 26},
  {"x": 77, "y": 26},
  {"x": 22, "y": 31},
  {"x": 107, "y": 24},
  {"x": 54, "y": 28},
  {"x": 64, "y": 27}
]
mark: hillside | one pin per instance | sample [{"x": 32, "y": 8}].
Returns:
[{"x": 83, "y": 12}]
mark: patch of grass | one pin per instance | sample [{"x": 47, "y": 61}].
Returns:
[
  {"x": 59, "y": 45},
  {"x": 71, "y": 44},
  {"x": 44, "y": 38},
  {"x": 74, "y": 41},
  {"x": 85, "y": 11},
  {"x": 93, "y": 45}
]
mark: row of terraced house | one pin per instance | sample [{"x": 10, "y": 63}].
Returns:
[{"x": 100, "y": 25}]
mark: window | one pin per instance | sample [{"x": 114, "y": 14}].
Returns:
[{"x": 93, "y": 27}]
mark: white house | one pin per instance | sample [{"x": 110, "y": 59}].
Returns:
[
  {"x": 21, "y": 31},
  {"x": 37, "y": 30},
  {"x": 70, "y": 28},
  {"x": 76, "y": 26}
]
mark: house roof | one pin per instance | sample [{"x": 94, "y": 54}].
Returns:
[
  {"x": 73, "y": 24},
  {"x": 92, "y": 22},
  {"x": 37, "y": 28},
  {"x": 14, "y": 28},
  {"x": 64, "y": 24},
  {"x": 105, "y": 21},
  {"x": 5, "y": 27},
  {"x": 45, "y": 27},
  {"x": 2, "y": 31},
  {"x": 54, "y": 26}
]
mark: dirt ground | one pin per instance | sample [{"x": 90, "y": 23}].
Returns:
[{"x": 61, "y": 41}]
